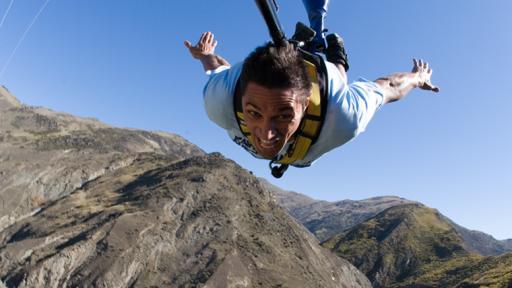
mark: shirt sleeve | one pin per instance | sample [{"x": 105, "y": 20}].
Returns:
[
  {"x": 350, "y": 109},
  {"x": 364, "y": 98},
  {"x": 218, "y": 95}
]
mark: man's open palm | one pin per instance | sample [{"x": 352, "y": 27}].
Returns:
[{"x": 205, "y": 46}]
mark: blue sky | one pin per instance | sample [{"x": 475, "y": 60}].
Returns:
[{"x": 124, "y": 63}]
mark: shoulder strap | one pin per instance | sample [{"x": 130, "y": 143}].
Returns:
[
  {"x": 312, "y": 121},
  {"x": 237, "y": 104}
]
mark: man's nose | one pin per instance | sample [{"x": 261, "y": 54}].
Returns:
[{"x": 268, "y": 131}]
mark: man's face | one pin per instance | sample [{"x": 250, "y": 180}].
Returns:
[{"x": 272, "y": 116}]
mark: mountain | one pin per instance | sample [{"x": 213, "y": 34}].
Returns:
[
  {"x": 158, "y": 222},
  {"x": 46, "y": 155},
  {"x": 481, "y": 243},
  {"x": 414, "y": 246},
  {"x": 287, "y": 199},
  {"x": 326, "y": 219},
  {"x": 89, "y": 205},
  {"x": 507, "y": 243},
  {"x": 7, "y": 100},
  {"x": 469, "y": 271}
]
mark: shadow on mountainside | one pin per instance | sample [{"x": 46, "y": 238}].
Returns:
[{"x": 200, "y": 221}]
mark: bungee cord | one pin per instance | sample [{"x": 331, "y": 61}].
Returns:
[{"x": 22, "y": 38}]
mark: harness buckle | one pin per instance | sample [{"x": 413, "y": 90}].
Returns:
[{"x": 277, "y": 169}]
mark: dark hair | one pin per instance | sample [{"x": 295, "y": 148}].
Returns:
[{"x": 276, "y": 67}]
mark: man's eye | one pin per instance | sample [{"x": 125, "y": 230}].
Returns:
[
  {"x": 253, "y": 114},
  {"x": 285, "y": 118}
]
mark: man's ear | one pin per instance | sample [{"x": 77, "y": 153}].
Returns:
[{"x": 306, "y": 103}]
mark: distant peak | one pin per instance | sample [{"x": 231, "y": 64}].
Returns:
[{"x": 7, "y": 100}]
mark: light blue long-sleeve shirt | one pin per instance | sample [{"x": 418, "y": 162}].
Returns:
[{"x": 349, "y": 110}]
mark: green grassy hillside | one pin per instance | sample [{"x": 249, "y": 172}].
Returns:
[{"x": 414, "y": 246}]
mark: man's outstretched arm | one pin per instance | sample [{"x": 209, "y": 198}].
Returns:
[
  {"x": 204, "y": 52},
  {"x": 396, "y": 86}
]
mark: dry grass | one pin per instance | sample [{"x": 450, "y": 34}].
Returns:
[{"x": 37, "y": 200}]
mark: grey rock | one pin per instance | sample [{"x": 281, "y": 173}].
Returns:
[
  {"x": 480, "y": 242},
  {"x": 46, "y": 155},
  {"x": 200, "y": 222},
  {"x": 89, "y": 205},
  {"x": 507, "y": 243},
  {"x": 326, "y": 219},
  {"x": 7, "y": 100}
]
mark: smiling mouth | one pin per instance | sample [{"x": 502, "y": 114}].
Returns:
[{"x": 268, "y": 144}]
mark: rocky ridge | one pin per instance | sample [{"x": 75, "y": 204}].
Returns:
[
  {"x": 327, "y": 219},
  {"x": 414, "y": 246},
  {"x": 200, "y": 222},
  {"x": 46, "y": 155},
  {"x": 507, "y": 243},
  {"x": 480, "y": 242},
  {"x": 86, "y": 204}
]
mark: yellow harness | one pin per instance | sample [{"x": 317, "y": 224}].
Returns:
[{"x": 311, "y": 123}]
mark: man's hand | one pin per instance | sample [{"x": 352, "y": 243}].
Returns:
[
  {"x": 423, "y": 73},
  {"x": 204, "y": 52},
  {"x": 396, "y": 86},
  {"x": 204, "y": 47}
]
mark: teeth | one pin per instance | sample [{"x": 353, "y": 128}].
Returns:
[{"x": 268, "y": 143}]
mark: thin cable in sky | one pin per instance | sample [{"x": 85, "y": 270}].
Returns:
[
  {"x": 5, "y": 14},
  {"x": 22, "y": 38}
]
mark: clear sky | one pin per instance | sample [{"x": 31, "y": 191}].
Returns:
[{"x": 124, "y": 63}]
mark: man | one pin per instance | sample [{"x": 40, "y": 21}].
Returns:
[{"x": 274, "y": 90}]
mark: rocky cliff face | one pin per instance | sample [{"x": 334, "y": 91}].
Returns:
[
  {"x": 327, "y": 219},
  {"x": 201, "y": 222},
  {"x": 288, "y": 199},
  {"x": 507, "y": 244},
  {"x": 46, "y": 155},
  {"x": 481, "y": 243},
  {"x": 85, "y": 204},
  {"x": 414, "y": 246}
]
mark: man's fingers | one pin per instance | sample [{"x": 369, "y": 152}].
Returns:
[
  {"x": 423, "y": 68},
  {"x": 209, "y": 37},
  {"x": 429, "y": 86},
  {"x": 214, "y": 44},
  {"x": 204, "y": 38},
  {"x": 201, "y": 39},
  {"x": 434, "y": 88},
  {"x": 188, "y": 44}
]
